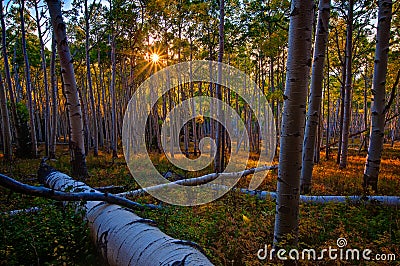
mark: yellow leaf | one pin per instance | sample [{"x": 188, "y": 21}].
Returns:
[{"x": 246, "y": 219}]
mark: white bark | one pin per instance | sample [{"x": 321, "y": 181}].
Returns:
[
  {"x": 28, "y": 210},
  {"x": 314, "y": 106},
  {"x": 378, "y": 109},
  {"x": 348, "y": 89},
  {"x": 54, "y": 93},
  {"x": 386, "y": 200},
  {"x": 125, "y": 238},
  {"x": 196, "y": 181},
  {"x": 89, "y": 84},
  {"x": 45, "y": 80},
  {"x": 77, "y": 144},
  {"x": 293, "y": 121}
]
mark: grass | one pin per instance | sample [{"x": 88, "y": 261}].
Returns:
[{"x": 231, "y": 229}]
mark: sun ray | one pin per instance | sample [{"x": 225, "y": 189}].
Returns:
[{"x": 154, "y": 57}]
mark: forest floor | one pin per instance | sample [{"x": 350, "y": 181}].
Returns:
[{"x": 231, "y": 230}]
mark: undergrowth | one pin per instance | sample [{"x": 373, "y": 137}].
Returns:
[{"x": 230, "y": 230}]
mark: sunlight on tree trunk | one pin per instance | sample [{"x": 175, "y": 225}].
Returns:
[
  {"x": 5, "y": 120},
  {"x": 314, "y": 103},
  {"x": 219, "y": 132},
  {"x": 28, "y": 84},
  {"x": 348, "y": 89},
  {"x": 14, "y": 117},
  {"x": 89, "y": 83}
]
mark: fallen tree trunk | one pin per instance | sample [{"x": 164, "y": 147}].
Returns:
[
  {"x": 197, "y": 180},
  {"x": 28, "y": 210},
  {"x": 386, "y": 200},
  {"x": 123, "y": 237},
  {"x": 91, "y": 194},
  {"x": 350, "y": 136}
]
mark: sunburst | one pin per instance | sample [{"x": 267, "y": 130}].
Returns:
[{"x": 155, "y": 60}]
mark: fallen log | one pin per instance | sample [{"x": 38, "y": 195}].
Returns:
[
  {"x": 350, "y": 136},
  {"x": 111, "y": 189},
  {"x": 44, "y": 192},
  {"x": 197, "y": 180},
  {"x": 28, "y": 210},
  {"x": 123, "y": 237},
  {"x": 322, "y": 199},
  {"x": 386, "y": 200}
]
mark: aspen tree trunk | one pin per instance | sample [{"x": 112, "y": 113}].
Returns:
[
  {"x": 193, "y": 102},
  {"x": 13, "y": 112},
  {"x": 219, "y": 132},
  {"x": 293, "y": 120},
  {"x": 394, "y": 123},
  {"x": 28, "y": 83},
  {"x": 98, "y": 88},
  {"x": 45, "y": 82},
  {"x": 348, "y": 89},
  {"x": 85, "y": 119},
  {"x": 36, "y": 107},
  {"x": 54, "y": 93},
  {"x": 124, "y": 238},
  {"x": 106, "y": 120},
  {"x": 90, "y": 86},
  {"x": 5, "y": 119},
  {"x": 341, "y": 111},
  {"x": 212, "y": 107},
  {"x": 76, "y": 141},
  {"x": 365, "y": 106},
  {"x": 314, "y": 103},
  {"x": 378, "y": 109},
  {"x": 113, "y": 100},
  {"x": 18, "y": 88},
  {"x": 328, "y": 116}
]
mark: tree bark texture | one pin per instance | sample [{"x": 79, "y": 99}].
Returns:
[
  {"x": 293, "y": 121},
  {"x": 125, "y": 238},
  {"x": 378, "y": 109},
  {"x": 314, "y": 103},
  {"x": 347, "y": 89},
  {"x": 77, "y": 145}
]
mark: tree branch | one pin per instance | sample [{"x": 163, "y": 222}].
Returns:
[
  {"x": 197, "y": 180},
  {"x": 393, "y": 93},
  {"x": 44, "y": 192}
]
